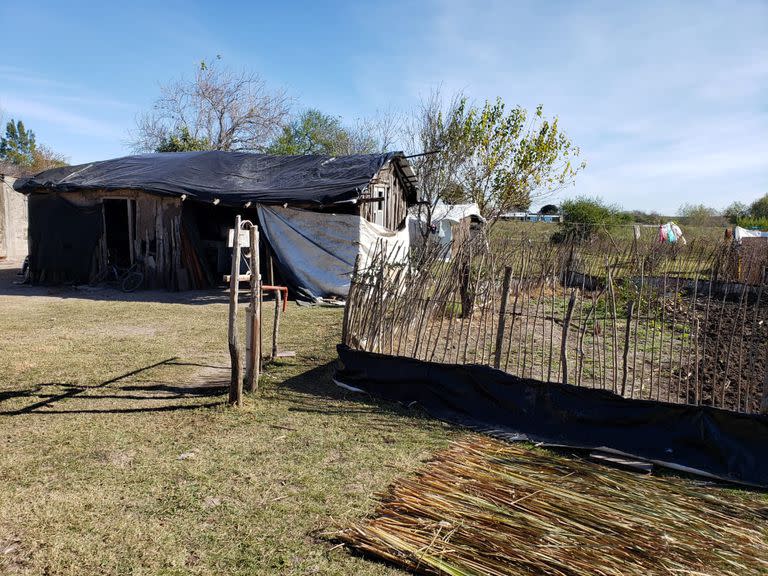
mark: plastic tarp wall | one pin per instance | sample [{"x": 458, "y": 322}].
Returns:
[
  {"x": 698, "y": 439},
  {"x": 316, "y": 251},
  {"x": 62, "y": 239}
]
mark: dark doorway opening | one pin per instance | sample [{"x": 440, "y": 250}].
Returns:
[{"x": 118, "y": 225}]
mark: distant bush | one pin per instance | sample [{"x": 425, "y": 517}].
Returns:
[
  {"x": 752, "y": 222},
  {"x": 586, "y": 218},
  {"x": 641, "y": 217},
  {"x": 699, "y": 215}
]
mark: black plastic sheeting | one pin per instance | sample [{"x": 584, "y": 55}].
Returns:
[
  {"x": 712, "y": 442},
  {"x": 233, "y": 177},
  {"x": 62, "y": 239}
]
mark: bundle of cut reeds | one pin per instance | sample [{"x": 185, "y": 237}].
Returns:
[{"x": 488, "y": 507}]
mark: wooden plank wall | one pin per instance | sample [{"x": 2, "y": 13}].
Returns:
[
  {"x": 157, "y": 234},
  {"x": 395, "y": 207}
]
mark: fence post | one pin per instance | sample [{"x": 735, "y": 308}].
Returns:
[
  {"x": 345, "y": 321},
  {"x": 235, "y": 382},
  {"x": 630, "y": 309},
  {"x": 502, "y": 314},
  {"x": 564, "y": 342},
  {"x": 276, "y": 325},
  {"x": 253, "y": 362}
]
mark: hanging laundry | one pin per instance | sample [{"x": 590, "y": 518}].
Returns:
[
  {"x": 671, "y": 232},
  {"x": 678, "y": 232}
]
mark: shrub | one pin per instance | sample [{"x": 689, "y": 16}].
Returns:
[{"x": 585, "y": 218}]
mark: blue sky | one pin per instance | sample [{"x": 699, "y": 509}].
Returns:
[{"x": 668, "y": 101}]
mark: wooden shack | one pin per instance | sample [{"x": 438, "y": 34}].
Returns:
[{"x": 169, "y": 213}]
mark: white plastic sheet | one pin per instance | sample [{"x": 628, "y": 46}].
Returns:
[
  {"x": 317, "y": 251},
  {"x": 739, "y": 233}
]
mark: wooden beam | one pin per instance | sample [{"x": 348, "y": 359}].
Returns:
[{"x": 240, "y": 278}]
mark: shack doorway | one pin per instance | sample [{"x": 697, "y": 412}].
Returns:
[{"x": 119, "y": 216}]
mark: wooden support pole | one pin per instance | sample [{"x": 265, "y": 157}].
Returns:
[
  {"x": 276, "y": 326},
  {"x": 502, "y": 317},
  {"x": 564, "y": 341},
  {"x": 349, "y": 302},
  {"x": 253, "y": 362},
  {"x": 235, "y": 381},
  {"x": 624, "y": 369}
]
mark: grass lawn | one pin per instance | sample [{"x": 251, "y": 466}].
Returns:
[{"x": 118, "y": 455}]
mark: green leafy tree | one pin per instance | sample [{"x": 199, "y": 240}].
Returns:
[
  {"x": 312, "y": 132},
  {"x": 182, "y": 140},
  {"x": 736, "y": 211},
  {"x": 512, "y": 158},
  {"x": 759, "y": 208},
  {"x": 585, "y": 218},
  {"x": 18, "y": 145}
]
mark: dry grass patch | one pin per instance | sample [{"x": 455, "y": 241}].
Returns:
[{"x": 118, "y": 455}]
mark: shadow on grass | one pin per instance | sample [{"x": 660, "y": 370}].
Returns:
[
  {"x": 49, "y": 403},
  {"x": 318, "y": 382}
]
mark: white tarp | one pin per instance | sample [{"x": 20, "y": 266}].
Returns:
[
  {"x": 739, "y": 233},
  {"x": 444, "y": 216},
  {"x": 318, "y": 250},
  {"x": 455, "y": 212}
]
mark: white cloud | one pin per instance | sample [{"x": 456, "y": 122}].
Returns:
[{"x": 666, "y": 100}]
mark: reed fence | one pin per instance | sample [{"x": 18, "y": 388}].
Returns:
[{"x": 676, "y": 323}]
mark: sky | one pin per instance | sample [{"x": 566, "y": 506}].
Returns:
[{"x": 667, "y": 101}]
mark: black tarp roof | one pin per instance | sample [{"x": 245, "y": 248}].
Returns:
[{"x": 232, "y": 177}]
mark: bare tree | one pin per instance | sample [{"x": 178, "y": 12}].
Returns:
[
  {"x": 434, "y": 138},
  {"x": 225, "y": 109}
]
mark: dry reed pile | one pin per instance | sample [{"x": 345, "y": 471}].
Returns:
[{"x": 488, "y": 507}]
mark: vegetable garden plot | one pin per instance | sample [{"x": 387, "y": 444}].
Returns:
[{"x": 643, "y": 320}]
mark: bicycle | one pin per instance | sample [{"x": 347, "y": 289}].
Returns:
[{"x": 127, "y": 279}]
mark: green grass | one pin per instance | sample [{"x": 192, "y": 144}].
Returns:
[
  {"x": 142, "y": 475},
  {"x": 542, "y": 231}
]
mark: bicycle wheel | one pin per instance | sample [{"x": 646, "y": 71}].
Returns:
[{"x": 132, "y": 281}]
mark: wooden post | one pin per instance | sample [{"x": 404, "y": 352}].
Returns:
[
  {"x": 624, "y": 369},
  {"x": 564, "y": 341},
  {"x": 345, "y": 321},
  {"x": 235, "y": 382},
  {"x": 502, "y": 315},
  {"x": 276, "y": 327},
  {"x": 253, "y": 362}
]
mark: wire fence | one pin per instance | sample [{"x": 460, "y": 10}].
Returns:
[{"x": 670, "y": 322}]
